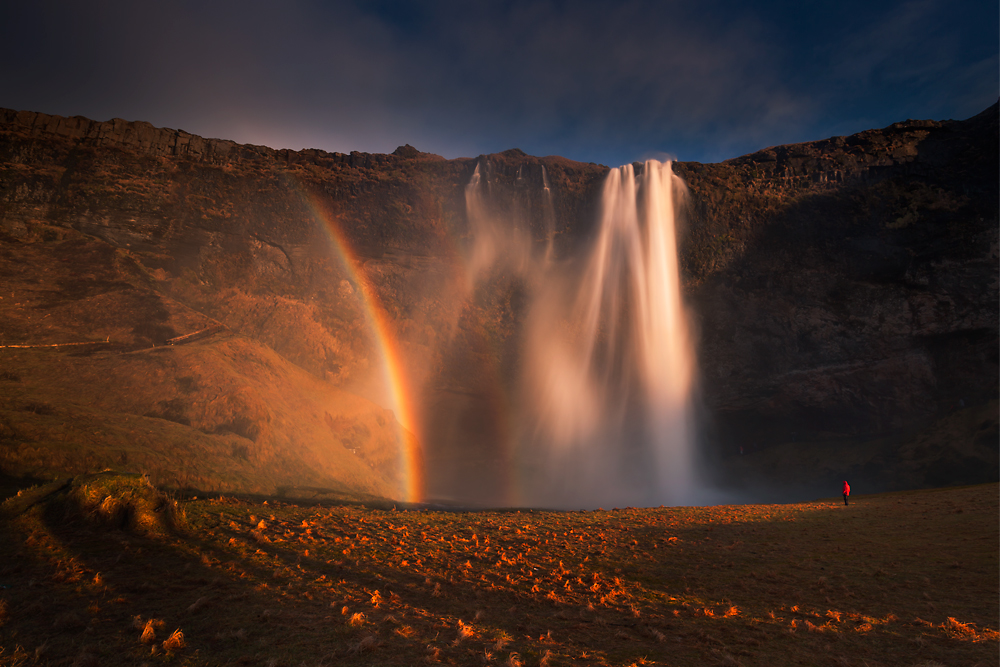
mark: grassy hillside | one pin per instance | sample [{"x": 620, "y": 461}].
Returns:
[
  {"x": 107, "y": 570},
  {"x": 87, "y": 382},
  {"x": 225, "y": 415}
]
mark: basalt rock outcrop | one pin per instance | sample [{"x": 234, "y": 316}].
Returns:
[{"x": 845, "y": 293}]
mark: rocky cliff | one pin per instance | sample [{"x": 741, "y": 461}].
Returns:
[{"x": 845, "y": 292}]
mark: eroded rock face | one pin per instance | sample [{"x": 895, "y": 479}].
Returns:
[
  {"x": 848, "y": 288},
  {"x": 844, "y": 290}
]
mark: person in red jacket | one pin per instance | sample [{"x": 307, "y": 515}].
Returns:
[{"x": 847, "y": 491}]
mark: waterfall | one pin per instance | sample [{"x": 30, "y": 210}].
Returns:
[
  {"x": 550, "y": 217},
  {"x": 610, "y": 360},
  {"x": 603, "y": 408}
]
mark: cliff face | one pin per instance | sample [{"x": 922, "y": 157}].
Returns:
[{"x": 845, "y": 292}]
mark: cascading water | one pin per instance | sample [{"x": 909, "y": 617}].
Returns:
[
  {"x": 500, "y": 238},
  {"x": 605, "y": 413},
  {"x": 610, "y": 361},
  {"x": 550, "y": 218}
]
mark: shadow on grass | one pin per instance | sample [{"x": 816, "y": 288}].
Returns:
[{"x": 103, "y": 558}]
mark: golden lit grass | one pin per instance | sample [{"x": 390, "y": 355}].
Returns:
[
  {"x": 69, "y": 414},
  {"x": 896, "y": 579},
  {"x": 223, "y": 412}
]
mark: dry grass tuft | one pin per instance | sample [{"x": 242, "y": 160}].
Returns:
[
  {"x": 357, "y": 620},
  {"x": 121, "y": 501},
  {"x": 148, "y": 635},
  {"x": 968, "y": 631},
  {"x": 464, "y": 632},
  {"x": 175, "y": 642},
  {"x": 813, "y": 628}
]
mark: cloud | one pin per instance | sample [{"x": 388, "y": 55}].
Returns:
[
  {"x": 603, "y": 78},
  {"x": 585, "y": 79},
  {"x": 913, "y": 59}
]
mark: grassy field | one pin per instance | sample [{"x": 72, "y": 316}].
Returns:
[{"x": 106, "y": 570}]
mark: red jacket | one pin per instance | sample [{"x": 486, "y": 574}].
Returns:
[{"x": 847, "y": 488}]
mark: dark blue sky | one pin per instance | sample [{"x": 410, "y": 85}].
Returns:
[{"x": 609, "y": 82}]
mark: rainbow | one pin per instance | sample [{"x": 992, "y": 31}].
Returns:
[{"x": 394, "y": 373}]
